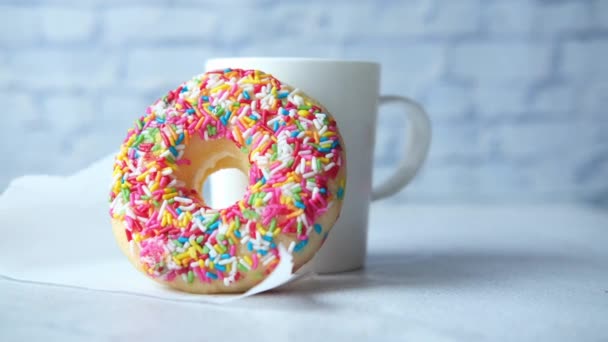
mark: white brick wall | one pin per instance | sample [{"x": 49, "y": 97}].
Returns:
[
  {"x": 584, "y": 60},
  {"x": 81, "y": 24},
  {"x": 516, "y": 89},
  {"x": 499, "y": 62},
  {"x": 60, "y": 69}
]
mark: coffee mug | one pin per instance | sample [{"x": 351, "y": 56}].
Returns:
[{"x": 349, "y": 90}]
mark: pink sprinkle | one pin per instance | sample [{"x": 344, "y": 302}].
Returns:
[
  {"x": 172, "y": 211},
  {"x": 164, "y": 180},
  {"x": 171, "y": 276},
  {"x": 232, "y": 250},
  {"x": 201, "y": 276},
  {"x": 129, "y": 223},
  {"x": 183, "y": 161},
  {"x": 254, "y": 259}
]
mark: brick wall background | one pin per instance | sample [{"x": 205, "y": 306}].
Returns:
[{"x": 517, "y": 89}]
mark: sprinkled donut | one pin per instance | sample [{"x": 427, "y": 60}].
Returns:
[{"x": 286, "y": 142}]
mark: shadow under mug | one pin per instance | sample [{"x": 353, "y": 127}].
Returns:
[{"x": 350, "y": 92}]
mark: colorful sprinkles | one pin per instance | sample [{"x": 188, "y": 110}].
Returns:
[{"x": 295, "y": 154}]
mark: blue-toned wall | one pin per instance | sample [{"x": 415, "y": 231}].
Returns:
[{"x": 517, "y": 90}]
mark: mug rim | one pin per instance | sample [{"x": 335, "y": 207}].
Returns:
[{"x": 299, "y": 59}]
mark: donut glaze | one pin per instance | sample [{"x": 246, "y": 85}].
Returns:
[{"x": 284, "y": 140}]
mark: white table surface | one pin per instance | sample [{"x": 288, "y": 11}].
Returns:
[{"x": 467, "y": 273}]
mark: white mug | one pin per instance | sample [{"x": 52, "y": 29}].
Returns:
[{"x": 350, "y": 92}]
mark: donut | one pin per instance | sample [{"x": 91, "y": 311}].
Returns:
[{"x": 285, "y": 141}]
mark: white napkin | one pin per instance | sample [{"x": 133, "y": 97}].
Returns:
[{"x": 56, "y": 230}]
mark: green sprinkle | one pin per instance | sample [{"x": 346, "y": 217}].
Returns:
[
  {"x": 125, "y": 194},
  {"x": 205, "y": 250},
  {"x": 138, "y": 140},
  {"x": 299, "y": 125},
  {"x": 200, "y": 239},
  {"x": 299, "y": 227},
  {"x": 304, "y": 107},
  {"x": 238, "y": 223},
  {"x": 241, "y": 267},
  {"x": 273, "y": 224},
  {"x": 319, "y": 164},
  {"x": 290, "y": 163},
  {"x": 220, "y": 237},
  {"x": 190, "y": 276},
  {"x": 250, "y": 214}
]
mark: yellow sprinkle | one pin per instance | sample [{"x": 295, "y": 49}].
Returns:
[
  {"x": 197, "y": 247},
  {"x": 295, "y": 213},
  {"x": 239, "y": 137},
  {"x": 246, "y": 121},
  {"x": 248, "y": 260},
  {"x": 199, "y": 124},
  {"x": 302, "y": 112},
  {"x": 201, "y": 263},
  {"x": 169, "y": 196},
  {"x": 211, "y": 265},
  {"x": 192, "y": 252},
  {"x": 220, "y": 88},
  {"x": 217, "y": 248},
  {"x": 256, "y": 186},
  {"x": 142, "y": 176},
  {"x": 231, "y": 235}
]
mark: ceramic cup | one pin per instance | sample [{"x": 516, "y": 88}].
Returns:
[{"x": 350, "y": 92}]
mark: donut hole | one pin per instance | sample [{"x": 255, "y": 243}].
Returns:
[
  {"x": 224, "y": 187},
  {"x": 207, "y": 158}
]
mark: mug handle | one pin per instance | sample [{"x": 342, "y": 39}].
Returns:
[{"x": 419, "y": 139}]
